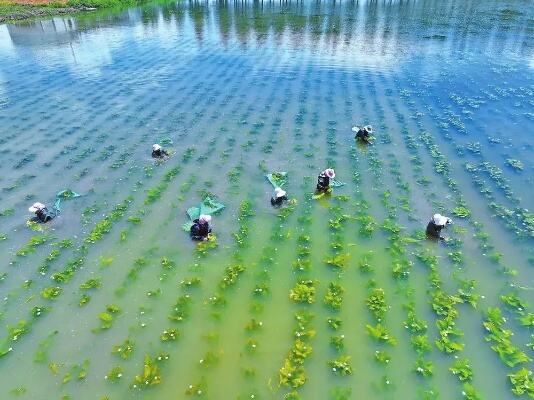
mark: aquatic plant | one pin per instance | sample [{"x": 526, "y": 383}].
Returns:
[
  {"x": 423, "y": 368},
  {"x": 170, "y": 335},
  {"x": 149, "y": 377},
  {"x": 51, "y": 293},
  {"x": 380, "y": 334},
  {"x": 337, "y": 342},
  {"x": 114, "y": 374},
  {"x": 334, "y": 323},
  {"x": 341, "y": 365},
  {"x": 338, "y": 261},
  {"x": 181, "y": 308},
  {"x": 522, "y": 382},
  {"x": 508, "y": 353},
  {"x": 108, "y": 317},
  {"x": 303, "y": 292},
  {"x": 462, "y": 369},
  {"x": 231, "y": 274},
  {"x": 291, "y": 375},
  {"x": 124, "y": 350},
  {"x": 382, "y": 357},
  {"x": 93, "y": 283},
  {"x": 334, "y": 296},
  {"x": 376, "y": 303},
  {"x": 515, "y": 164}
]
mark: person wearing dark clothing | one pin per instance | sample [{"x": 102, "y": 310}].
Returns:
[
  {"x": 363, "y": 133},
  {"x": 201, "y": 228},
  {"x": 279, "y": 197},
  {"x": 435, "y": 225},
  {"x": 42, "y": 214},
  {"x": 158, "y": 151},
  {"x": 323, "y": 180}
]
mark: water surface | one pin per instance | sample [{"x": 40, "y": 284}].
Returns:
[{"x": 241, "y": 89}]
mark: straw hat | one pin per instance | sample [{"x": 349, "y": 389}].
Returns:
[
  {"x": 156, "y": 147},
  {"x": 279, "y": 192},
  {"x": 439, "y": 219},
  {"x": 368, "y": 128},
  {"x": 204, "y": 218},
  {"x": 330, "y": 173},
  {"x": 36, "y": 207}
]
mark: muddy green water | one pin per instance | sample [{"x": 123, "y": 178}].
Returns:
[{"x": 241, "y": 89}]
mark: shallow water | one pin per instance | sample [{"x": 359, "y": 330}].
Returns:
[{"x": 242, "y": 89}]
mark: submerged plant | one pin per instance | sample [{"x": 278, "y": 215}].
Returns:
[
  {"x": 462, "y": 369},
  {"x": 150, "y": 375},
  {"x": 380, "y": 334},
  {"x": 341, "y": 365},
  {"x": 376, "y": 303},
  {"x": 303, "y": 292},
  {"x": 338, "y": 261},
  {"x": 334, "y": 296}
]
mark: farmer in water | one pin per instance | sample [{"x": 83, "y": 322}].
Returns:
[
  {"x": 158, "y": 151},
  {"x": 436, "y": 224},
  {"x": 279, "y": 197},
  {"x": 42, "y": 214},
  {"x": 363, "y": 133},
  {"x": 323, "y": 180},
  {"x": 201, "y": 228}
]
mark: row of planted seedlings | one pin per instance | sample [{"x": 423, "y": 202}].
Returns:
[
  {"x": 170, "y": 335},
  {"x": 183, "y": 304},
  {"x": 152, "y": 364},
  {"x": 376, "y": 300},
  {"x": 242, "y": 239},
  {"x": 465, "y": 292},
  {"x": 217, "y": 302},
  {"x": 292, "y": 374},
  {"x": 442, "y": 303},
  {"x": 401, "y": 270},
  {"x": 280, "y": 238},
  {"x": 337, "y": 259}
]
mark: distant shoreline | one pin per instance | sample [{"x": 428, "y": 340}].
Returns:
[
  {"x": 14, "y": 10},
  {"x": 24, "y": 12}
]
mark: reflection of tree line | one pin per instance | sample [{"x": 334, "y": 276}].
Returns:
[
  {"x": 372, "y": 24},
  {"x": 372, "y": 21}
]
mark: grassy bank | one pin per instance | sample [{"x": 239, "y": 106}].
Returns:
[{"x": 20, "y": 10}]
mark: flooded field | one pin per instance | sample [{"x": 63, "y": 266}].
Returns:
[{"x": 327, "y": 297}]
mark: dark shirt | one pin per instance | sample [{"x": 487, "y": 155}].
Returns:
[
  {"x": 159, "y": 153},
  {"x": 363, "y": 135},
  {"x": 323, "y": 182},
  {"x": 277, "y": 201},
  {"x": 433, "y": 230},
  {"x": 43, "y": 215},
  {"x": 199, "y": 231}
]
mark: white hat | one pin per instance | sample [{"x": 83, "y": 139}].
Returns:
[
  {"x": 330, "y": 173},
  {"x": 355, "y": 128},
  {"x": 36, "y": 207},
  {"x": 204, "y": 218},
  {"x": 156, "y": 147},
  {"x": 279, "y": 192},
  {"x": 368, "y": 128},
  {"x": 439, "y": 219}
]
